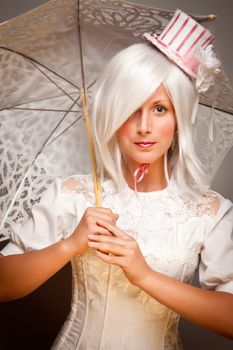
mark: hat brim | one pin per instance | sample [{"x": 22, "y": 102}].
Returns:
[{"x": 170, "y": 55}]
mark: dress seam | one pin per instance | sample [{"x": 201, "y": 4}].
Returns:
[
  {"x": 165, "y": 328},
  {"x": 106, "y": 307},
  {"x": 86, "y": 308}
]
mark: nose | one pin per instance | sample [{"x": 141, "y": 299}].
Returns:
[{"x": 144, "y": 123}]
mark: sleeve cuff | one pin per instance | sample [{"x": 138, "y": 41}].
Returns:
[
  {"x": 225, "y": 287},
  {"x": 11, "y": 249}
]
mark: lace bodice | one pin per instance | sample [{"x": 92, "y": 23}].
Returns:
[{"x": 175, "y": 235}]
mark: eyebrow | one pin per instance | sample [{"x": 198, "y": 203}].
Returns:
[{"x": 162, "y": 101}]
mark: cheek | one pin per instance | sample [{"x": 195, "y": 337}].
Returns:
[
  {"x": 125, "y": 131},
  {"x": 166, "y": 129}
]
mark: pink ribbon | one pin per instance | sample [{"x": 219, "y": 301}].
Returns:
[{"x": 139, "y": 174}]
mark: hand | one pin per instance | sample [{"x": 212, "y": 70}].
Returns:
[
  {"x": 89, "y": 224},
  {"x": 124, "y": 252}
]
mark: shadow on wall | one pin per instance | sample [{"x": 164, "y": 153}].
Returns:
[{"x": 222, "y": 182}]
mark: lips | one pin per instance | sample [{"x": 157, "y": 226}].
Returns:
[{"x": 145, "y": 144}]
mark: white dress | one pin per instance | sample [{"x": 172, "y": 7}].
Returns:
[{"x": 175, "y": 236}]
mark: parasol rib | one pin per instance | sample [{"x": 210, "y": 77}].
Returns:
[
  {"x": 40, "y": 64},
  {"x": 41, "y": 109},
  {"x": 63, "y": 131}
]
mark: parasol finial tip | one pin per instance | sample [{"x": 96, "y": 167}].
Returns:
[{"x": 212, "y": 17}]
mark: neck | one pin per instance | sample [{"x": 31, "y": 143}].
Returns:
[{"x": 154, "y": 180}]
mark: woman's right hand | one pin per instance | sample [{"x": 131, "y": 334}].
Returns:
[
  {"x": 36, "y": 266},
  {"x": 89, "y": 225}
]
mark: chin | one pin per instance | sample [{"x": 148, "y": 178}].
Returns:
[{"x": 145, "y": 159}]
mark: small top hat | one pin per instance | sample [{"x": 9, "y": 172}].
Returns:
[{"x": 181, "y": 40}]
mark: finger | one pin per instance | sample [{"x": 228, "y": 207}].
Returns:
[
  {"x": 108, "y": 239},
  {"x": 106, "y": 211},
  {"x": 94, "y": 228},
  {"x": 107, "y": 248},
  {"x": 110, "y": 218},
  {"x": 101, "y": 232},
  {"x": 115, "y": 230},
  {"x": 105, "y": 218},
  {"x": 111, "y": 259}
]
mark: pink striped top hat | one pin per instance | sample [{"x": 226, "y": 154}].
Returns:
[{"x": 181, "y": 40}]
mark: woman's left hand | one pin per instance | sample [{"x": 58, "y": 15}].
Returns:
[{"x": 122, "y": 250}]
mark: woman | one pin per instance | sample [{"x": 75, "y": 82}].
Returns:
[{"x": 134, "y": 259}]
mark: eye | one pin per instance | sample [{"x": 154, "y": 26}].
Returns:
[{"x": 160, "y": 110}]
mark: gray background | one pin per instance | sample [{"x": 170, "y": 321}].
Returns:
[{"x": 192, "y": 336}]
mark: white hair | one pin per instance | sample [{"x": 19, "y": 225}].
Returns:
[{"x": 129, "y": 79}]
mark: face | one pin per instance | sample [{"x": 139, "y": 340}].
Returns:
[{"x": 148, "y": 133}]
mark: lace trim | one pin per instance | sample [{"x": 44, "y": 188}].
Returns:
[
  {"x": 80, "y": 184},
  {"x": 208, "y": 204}
]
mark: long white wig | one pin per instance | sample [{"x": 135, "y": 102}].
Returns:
[{"x": 129, "y": 79}]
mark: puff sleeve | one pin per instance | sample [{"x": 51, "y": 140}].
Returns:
[
  {"x": 216, "y": 263},
  {"x": 45, "y": 225}
]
